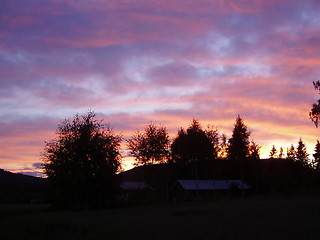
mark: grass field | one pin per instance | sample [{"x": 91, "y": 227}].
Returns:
[{"x": 277, "y": 217}]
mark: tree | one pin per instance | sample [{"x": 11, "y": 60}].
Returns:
[
  {"x": 254, "y": 151},
  {"x": 280, "y": 153},
  {"x": 192, "y": 144},
  {"x": 223, "y": 151},
  {"x": 273, "y": 152},
  {"x": 239, "y": 143},
  {"x": 218, "y": 141},
  {"x": 316, "y": 156},
  {"x": 315, "y": 110},
  {"x": 301, "y": 153},
  {"x": 291, "y": 153},
  {"x": 151, "y": 146},
  {"x": 81, "y": 162}
]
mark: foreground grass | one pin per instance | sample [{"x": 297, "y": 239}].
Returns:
[{"x": 282, "y": 217}]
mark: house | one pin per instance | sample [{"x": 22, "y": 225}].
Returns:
[
  {"x": 190, "y": 189},
  {"x": 135, "y": 186},
  {"x": 136, "y": 191}
]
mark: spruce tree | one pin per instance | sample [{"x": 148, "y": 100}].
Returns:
[
  {"x": 273, "y": 152},
  {"x": 280, "y": 153},
  {"x": 254, "y": 151},
  {"x": 291, "y": 153},
  {"x": 316, "y": 156},
  {"x": 301, "y": 153},
  {"x": 239, "y": 143}
]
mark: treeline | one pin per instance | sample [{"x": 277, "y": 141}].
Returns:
[
  {"x": 83, "y": 161},
  {"x": 198, "y": 153},
  {"x": 198, "y": 144},
  {"x": 191, "y": 144},
  {"x": 299, "y": 154}
]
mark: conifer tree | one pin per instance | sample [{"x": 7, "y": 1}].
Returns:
[
  {"x": 254, "y": 151},
  {"x": 273, "y": 152},
  {"x": 316, "y": 156},
  {"x": 291, "y": 153},
  {"x": 280, "y": 153},
  {"x": 301, "y": 153},
  {"x": 239, "y": 143}
]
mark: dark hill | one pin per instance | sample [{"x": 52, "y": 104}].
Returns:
[
  {"x": 264, "y": 176},
  {"x": 19, "y": 188},
  {"x": 152, "y": 174},
  {"x": 17, "y": 178}
]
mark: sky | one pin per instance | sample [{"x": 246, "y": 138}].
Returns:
[{"x": 134, "y": 62}]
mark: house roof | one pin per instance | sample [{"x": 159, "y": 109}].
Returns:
[
  {"x": 212, "y": 184},
  {"x": 135, "y": 185}
]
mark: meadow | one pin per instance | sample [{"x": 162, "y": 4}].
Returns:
[{"x": 268, "y": 217}]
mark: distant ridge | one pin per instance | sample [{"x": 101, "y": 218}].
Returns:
[
  {"x": 7, "y": 177},
  {"x": 19, "y": 188}
]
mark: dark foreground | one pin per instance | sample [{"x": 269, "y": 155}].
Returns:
[{"x": 277, "y": 217}]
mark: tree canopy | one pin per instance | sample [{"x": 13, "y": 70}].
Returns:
[
  {"x": 151, "y": 146},
  {"x": 218, "y": 141},
  {"x": 193, "y": 144},
  {"x": 315, "y": 110},
  {"x": 82, "y": 161}
]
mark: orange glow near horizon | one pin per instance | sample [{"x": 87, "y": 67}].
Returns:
[{"x": 26, "y": 149}]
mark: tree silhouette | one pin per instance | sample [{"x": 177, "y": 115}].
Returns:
[
  {"x": 223, "y": 151},
  {"x": 254, "y": 151},
  {"x": 291, "y": 153},
  {"x": 315, "y": 110},
  {"x": 301, "y": 153},
  {"x": 81, "y": 162},
  {"x": 150, "y": 146},
  {"x": 273, "y": 152},
  {"x": 218, "y": 141},
  {"x": 316, "y": 156},
  {"x": 239, "y": 143},
  {"x": 192, "y": 145},
  {"x": 280, "y": 153}
]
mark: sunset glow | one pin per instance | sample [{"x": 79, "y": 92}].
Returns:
[{"x": 167, "y": 61}]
